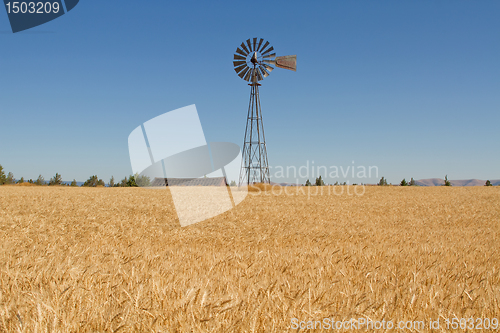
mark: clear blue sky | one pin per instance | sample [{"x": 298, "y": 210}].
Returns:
[{"x": 412, "y": 87}]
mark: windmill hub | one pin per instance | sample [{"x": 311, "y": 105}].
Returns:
[
  {"x": 254, "y": 58},
  {"x": 252, "y": 62}
]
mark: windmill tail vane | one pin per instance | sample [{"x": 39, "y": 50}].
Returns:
[{"x": 253, "y": 61}]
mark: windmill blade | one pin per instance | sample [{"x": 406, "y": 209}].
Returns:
[
  {"x": 287, "y": 62},
  {"x": 255, "y": 44},
  {"x": 238, "y": 63},
  {"x": 268, "y": 68},
  {"x": 263, "y": 71},
  {"x": 267, "y": 51},
  {"x": 263, "y": 47},
  {"x": 259, "y": 76},
  {"x": 241, "y": 52},
  {"x": 270, "y": 62},
  {"x": 260, "y": 43},
  {"x": 248, "y": 75},
  {"x": 238, "y": 57},
  {"x": 249, "y": 45},
  {"x": 242, "y": 74},
  {"x": 240, "y": 68},
  {"x": 244, "y": 48},
  {"x": 269, "y": 56}
]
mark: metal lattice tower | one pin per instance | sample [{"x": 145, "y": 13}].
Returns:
[
  {"x": 252, "y": 62},
  {"x": 254, "y": 168}
]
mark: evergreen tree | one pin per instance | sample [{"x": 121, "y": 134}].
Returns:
[
  {"x": 40, "y": 180},
  {"x": 20, "y": 181},
  {"x": 93, "y": 181},
  {"x": 131, "y": 182},
  {"x": 2, "y": 176},
  {"x": 403, "y": 182},
  {"x": 56, "y": 180},
  {"x": 308, "y": 183},
  {"x": 73, "y": 183},
  {"x": 320, "y": 182},
  {"x": 488, "y": 183},
  {"x": 233, "y": 183},
  {"x": 446, "y": 181},
  {"x": 412, "y": 182},
  {"x": 111, "y": 182},
  {"x": 10, "y": 178},
  {"x": 382, "y": 182},
  {"x": 124, "y": 182}
]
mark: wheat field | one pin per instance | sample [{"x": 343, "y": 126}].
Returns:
[{"x": 116, "y": 259}]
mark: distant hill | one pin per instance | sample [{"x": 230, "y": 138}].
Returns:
[{"x": 466, "y": 182}]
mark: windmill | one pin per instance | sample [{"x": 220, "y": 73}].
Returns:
[{"x": 253, "y": 62}]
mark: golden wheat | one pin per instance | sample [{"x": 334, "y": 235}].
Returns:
[{"x": 115, "y": 259}]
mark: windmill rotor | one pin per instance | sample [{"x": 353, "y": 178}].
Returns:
[{"x": 254, "y": 60}]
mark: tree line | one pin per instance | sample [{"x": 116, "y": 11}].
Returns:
[
  {"x": 446, "y": 182},
  {"x": 383, "y": 182},
  {"x": 93, "y": 181},
  {"x": 143, "y": 181}
]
